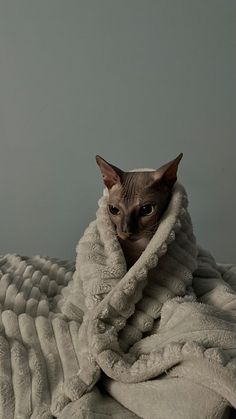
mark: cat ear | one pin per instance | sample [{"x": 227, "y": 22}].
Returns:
[
  {"x": 167, "y": 173},
  {"x": 111, "y": 174}
]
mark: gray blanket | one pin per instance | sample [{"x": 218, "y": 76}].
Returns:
[{"x": 96, "y": 341}]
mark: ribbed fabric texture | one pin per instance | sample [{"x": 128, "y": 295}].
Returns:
[{"x": 38, "y": 346}]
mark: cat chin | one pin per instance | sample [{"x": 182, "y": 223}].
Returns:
[{"x": 133, "y": 239}]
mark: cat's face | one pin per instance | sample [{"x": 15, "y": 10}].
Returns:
[
  {"x": 136, "y": 205},
  {"x": 137, "y": 200}
]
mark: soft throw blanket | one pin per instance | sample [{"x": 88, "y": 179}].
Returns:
[{"x": 96, "y": 341}]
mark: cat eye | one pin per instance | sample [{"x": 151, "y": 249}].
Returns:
[
  {"x": 146, "y": 210},
  {"x": 114, "y": 210}
]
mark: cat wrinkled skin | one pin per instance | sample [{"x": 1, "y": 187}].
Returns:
[{"x": 137, "y": 201}]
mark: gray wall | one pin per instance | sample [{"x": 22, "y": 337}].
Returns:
[{"x": 137, "y": 81}]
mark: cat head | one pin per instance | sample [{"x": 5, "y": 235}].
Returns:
[{"x": 138, "y": 199}]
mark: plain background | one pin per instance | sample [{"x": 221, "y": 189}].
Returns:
[{"x": 136, "y": 81}]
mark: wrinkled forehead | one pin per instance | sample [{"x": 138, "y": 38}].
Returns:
[{"x": 134, "y": 187}]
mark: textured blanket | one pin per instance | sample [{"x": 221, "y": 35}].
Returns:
[{"x": 96, "y": 341}]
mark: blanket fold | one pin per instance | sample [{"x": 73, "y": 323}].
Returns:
[{"x": 89, "y": 339}]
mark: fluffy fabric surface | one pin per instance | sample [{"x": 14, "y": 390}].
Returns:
[{"x": 95, "y": 340}]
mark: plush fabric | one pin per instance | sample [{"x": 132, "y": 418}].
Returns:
[{"x": 93, "y": 340}]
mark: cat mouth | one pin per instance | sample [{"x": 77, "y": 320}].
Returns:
[
  {"x": 133, "y": 238},
  {"x": 127, "y": 236},
  {"x": 123, "y": 236}
]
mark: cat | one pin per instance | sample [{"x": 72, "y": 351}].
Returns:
[{"x": 136, "y": 203}]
